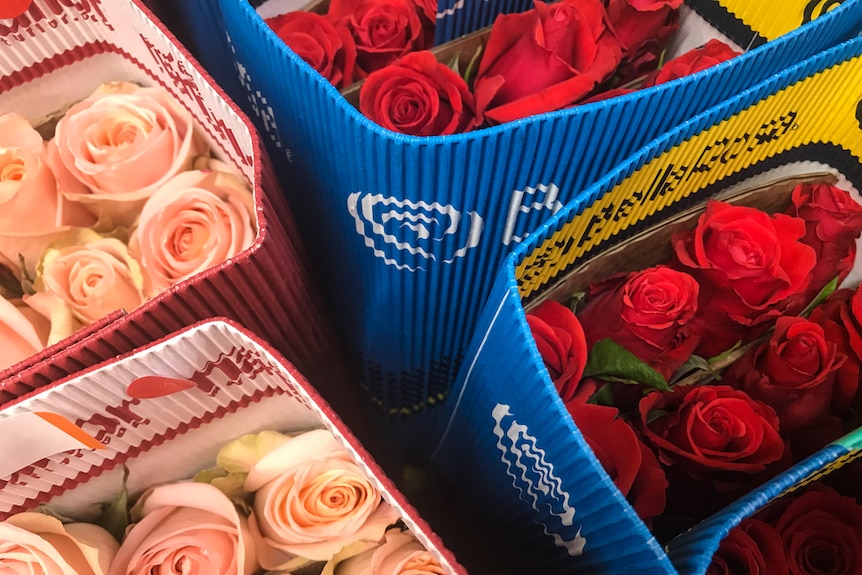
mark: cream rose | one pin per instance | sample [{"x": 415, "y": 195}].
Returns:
[
  {"x": 32, "y": 212},
  {"x": 311, "y": 500},
  {"x": 186, "y": 528},
  {"x": 399, "y": 554},
  {"x": 23, "y": 332},
  {"x": 115, "y": 148},
  {"x": 196, "y": 220},
  {"x": 92, "y": 274},
  {"x": 41, "y": 545}
]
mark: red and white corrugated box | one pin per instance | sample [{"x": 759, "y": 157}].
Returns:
[
  {"x": 163, "y": 412},
  {"x": 57, "y": 52}
]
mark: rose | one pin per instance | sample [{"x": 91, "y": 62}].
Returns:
[
  {"x": 793, "y": 372},
  {"x": 560, "y": 340},
  {"x": 194, "y": 221},
  {"x": 840, "y": 318},
  {"x": 400, "y": 553},
  {"x": 23, "y": 332},
  {"x": 189, "y": 526},
  {"x": 712, "y": 53},
  {"x": 544, "y": 59},
  {"x": 711, "y": 429},
  {"x": 753, "y": 547},
  {"x": 383, "y": 30},
  {"x": 115, "y": 148},
  {"x": 419, "y": 96},
  {"x": 646, "y": 312},
  {"x": 311, "y": 500},
  {"x": 327, "y": 48},
  {"x": 428, "y": 16},
  {"x": 32, "y": 212},
  {"x": 40, "y": 544},
  {"x": 631, "y": 465},
  {"x": 746, "y": 262},
  {"x": 642, "y": 28},
  {"x": 822, "y": 533},
  {"x": 93, "y": 275}
]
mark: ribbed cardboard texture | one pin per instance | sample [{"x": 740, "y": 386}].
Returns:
[
  {"x": 541, "y": 490},
  {"x": 415, "y": 227},
  {"x": 236, "y": 385},
  {"x": 57, "y": 53}
]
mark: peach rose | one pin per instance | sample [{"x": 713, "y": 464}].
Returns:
[
  {"x": 32, "y": 212},
  {"x": 23, "y": 332},
  {"x": 196, "y": 220},
  {"x": 115, "y": 148},
  {"x": 311, "y": 500},
  {"x": 399, "y": 554},
  {"x": 187, "y": 528},
  {"x": 93, "y": 275},
  {"x": 42, "y": 545}
]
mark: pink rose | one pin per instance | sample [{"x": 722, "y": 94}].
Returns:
[
  {"x": 311, "y": 500},
  {"x": 194, "y": 221},
  {"x": 118, "y": 146},
  {"x": 93, "y": 275},
  {"x": 192, "y": 527},
  {"x": 32, "y": 212},
  {"x": 23, "y": 332},
  {"x": 400, "y": 553},
  {"x": 40, "y": 544}
]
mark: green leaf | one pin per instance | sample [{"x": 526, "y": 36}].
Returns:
[
  {"x": 610, "y": 361},
  {"x": 723, "y": 355},
  {"x": 26, "y": 281},
  {"x": 576, "y": 299},
  {"x": 694, "y": 363},
  {"x": 654, "y": 414},
  {"x": 455, "y": 64},
  {"x": 603, "y": 396},
  {"x": 473, "y": 66},
  {"x": 821, "y": 297},
  {"x": 115, "y": 513}
]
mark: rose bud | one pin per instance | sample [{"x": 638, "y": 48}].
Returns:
[
  {"x": 400, "y": 553},
  {"x": 712, "y": 53},
  {"x": 189, "y": 526},
  {"x": 544, "y": 59},
  {"x": 419, "y": 96},
  {"x": 310, "y": 500},
  {"x": 39, "y": 543},
  {"x": 793, "y": 372},
  {"x": 561, "y": 343},
  {"x": 383, "y": 30},
  {"x": 711, "y": 429},
  {"x": 327, "y": 48},
  {"x": 32, "y": 212},
  {"x": 822, "y": 533},
  {"x": 753, "y": 547},
  {"x": 196, "y": 220},
  {"x": 631, "y": 465},
  {"x": 23, "y": 332},
  {"x": 746, "y": 263},
  {"x": 111, "y": 151},
  {"x": 646, "y": 312},
  {"x": 643, "y": 29}
]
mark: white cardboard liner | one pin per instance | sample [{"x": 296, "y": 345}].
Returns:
[{"x": 170, "y": 437}]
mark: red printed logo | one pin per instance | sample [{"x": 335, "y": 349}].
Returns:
[{"x": 44, "y": 15}]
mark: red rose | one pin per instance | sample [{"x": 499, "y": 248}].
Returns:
[
  {"x": 822, "y": 533},
  {"x": 710, "y": 54},
  {"x": 544, "y": 59},
  {"x": 711, "y": 429},
  {"x": 753, "y": 547},
  {"x": 840, "y": 317},
  {"x": 328, "y": 49},
  {"x": 419, "y": 96},
  {"x": 384, "y": 30},
  {"x": 793, "y": 372},
  {"x": 646, "y": 312},
  {"x": 631, "y": 465},
  {"x": 642, "y": 29},
  {"x": 428, "y": 15},
  {"x": 560, "y": 339},
  {"x": 746, "y": 262}
]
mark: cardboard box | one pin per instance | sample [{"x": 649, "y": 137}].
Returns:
[
  {"x": 508, "y": 442},
  {"x": 56, "y": 53},
  {"x": 163, "y": 412}
]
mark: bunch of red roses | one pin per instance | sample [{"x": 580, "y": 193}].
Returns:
[
  {"x": 747, "y": 305},
  {"x": 551, "y": 57}
]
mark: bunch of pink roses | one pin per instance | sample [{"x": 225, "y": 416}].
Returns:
[
  {"x": 275, "y": 503},
  {"x": 121, "y": 203},
  {"x": 723, "y": 366}
]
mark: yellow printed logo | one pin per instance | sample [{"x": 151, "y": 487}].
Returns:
[
  {"x": 821, "y": 114},
  {"x": 771, "y": 20}
]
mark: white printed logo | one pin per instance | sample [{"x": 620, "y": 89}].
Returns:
[
  {"x": 526, "y": 201},
  {"x": 400, "y": 229},
  {"x": 534, "y": 478}
]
